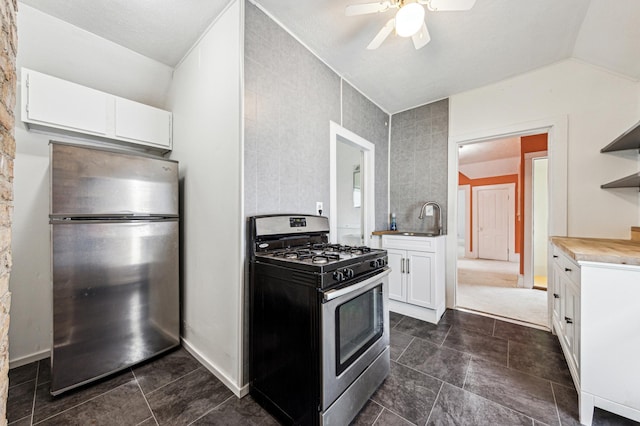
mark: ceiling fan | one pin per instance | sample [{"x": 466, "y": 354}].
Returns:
[{"x": 409, "y": 19}]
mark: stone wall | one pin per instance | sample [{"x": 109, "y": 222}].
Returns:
[{"x": 8, "y": 46}]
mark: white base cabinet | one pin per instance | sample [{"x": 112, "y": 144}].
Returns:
[
  {"x": 416, "y": 282},
  {"x": 596, "y": 317},
  {"x": 53, "y": 105}
]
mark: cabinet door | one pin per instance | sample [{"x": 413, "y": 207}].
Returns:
[
  {"x": 570, "y": 314},
  {"x": 420, "y": 276},
  {"x": 575, "y": 350},
  {"x": 396, "y": 277},
  {"x": 65, "y": 105},
  {"x": 142, "y": 123},
  {"x": 554, "y": 288}
]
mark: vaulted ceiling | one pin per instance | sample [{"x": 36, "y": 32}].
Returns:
[{"x": 493, "y": 41}]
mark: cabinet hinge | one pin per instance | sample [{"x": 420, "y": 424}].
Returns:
[{"x": 26, "y": 108}]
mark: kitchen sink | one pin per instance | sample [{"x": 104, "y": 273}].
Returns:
[{"x": 419, "y": 234}]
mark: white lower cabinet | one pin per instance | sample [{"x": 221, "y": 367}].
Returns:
[
  {"x": 416, "y": 282},
  {"x": 596, "y": 317}
]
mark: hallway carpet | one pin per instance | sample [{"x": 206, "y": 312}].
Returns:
[{"x": 491, "y": 287}]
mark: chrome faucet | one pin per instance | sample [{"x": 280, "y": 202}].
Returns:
[{"x": 438, "y": 215}]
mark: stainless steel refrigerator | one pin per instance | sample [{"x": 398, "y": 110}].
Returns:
[{"x": 114, "y": 238}]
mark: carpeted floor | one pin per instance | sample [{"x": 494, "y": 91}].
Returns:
[{"x": 490, "y": 286}]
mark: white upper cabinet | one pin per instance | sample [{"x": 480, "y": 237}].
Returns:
[
  {"x": 64, "y": 104},
  {"x": 141, "y": 123},
  {"x": 53, "y": 105}
]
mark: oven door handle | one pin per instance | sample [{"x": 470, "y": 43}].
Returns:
[{"x": 332, "y": 294}]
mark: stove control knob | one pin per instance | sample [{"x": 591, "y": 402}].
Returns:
[
  {"x": 374, "y": 264},
  {"x": 383, "y": 262},
  {"x": 338, "y": 276},
  {"x": 348, "y": 272}
]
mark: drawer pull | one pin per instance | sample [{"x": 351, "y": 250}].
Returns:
[
  {"x": 407, "y": 266},
  {"x": 556, "y": 296},
  {"x": 568, "y": 320},
  {"x": 567, "y": 269},
  {"x": 555, "y": 256},
  {"x": 402, "y": 266}
]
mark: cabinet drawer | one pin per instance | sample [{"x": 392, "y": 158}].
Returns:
[
  {"x": 567, "y": 266},
  {"x": 570, "y": 269},
  {"x": 409, "y": 243}
]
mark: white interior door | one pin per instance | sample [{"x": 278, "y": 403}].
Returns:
[{"x": 493, "y": 224}]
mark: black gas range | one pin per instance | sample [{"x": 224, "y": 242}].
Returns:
[{"x": 319, "y": 321}]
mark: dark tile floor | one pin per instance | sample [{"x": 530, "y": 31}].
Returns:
[{"x": 467, "y": 370}]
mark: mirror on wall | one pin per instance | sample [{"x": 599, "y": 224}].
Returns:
[
  {"x": 349, "y": 194},
  {"x": 357, "y": 194}
]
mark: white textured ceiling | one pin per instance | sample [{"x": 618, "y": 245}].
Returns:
[
  {"x": 493, "y": 41},
  {"x": 489, "y": 150},
  {"x": 160, "y": 29},
  {"x": 498, "y": 157}
]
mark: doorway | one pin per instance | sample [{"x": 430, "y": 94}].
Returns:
[
  {"x": 352, "y": 190},
  {"x": 490, "y": 274},
  {"x": 536, "y": 229}
]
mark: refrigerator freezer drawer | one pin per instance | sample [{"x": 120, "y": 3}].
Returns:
[
  {"x": 116, "y": 297},
  {"x": 95, "y": 182}
]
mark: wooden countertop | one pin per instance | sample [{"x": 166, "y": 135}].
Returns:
[
  {"x": 384, "y": 232},
  {"x": 626, "y": 252}
]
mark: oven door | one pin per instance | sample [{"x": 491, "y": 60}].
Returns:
[{"x": 355, "y": 330}]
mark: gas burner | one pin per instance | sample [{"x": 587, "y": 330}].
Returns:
[
  {"x": 359, "y": 250},
  {"x": 325, "y": 257},
  {"x": 287, "y": 254},
  {"x": 340, "y": 248},
  {"x": 320, "y": 259},
  {"x": 330, "y": 255}
]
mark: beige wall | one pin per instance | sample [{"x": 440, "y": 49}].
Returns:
[
  {"x": 7, "y": 152},
  {"x": 597, "y": 106},
  {"x": 583, "y": 107},
  {"x": 205, "y": 99}
]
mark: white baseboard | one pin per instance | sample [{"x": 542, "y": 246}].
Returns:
[
  {"x": 413, "y": 311},
  {"x": 238, "y": 391},
  {"x": 28, "y": 359}
]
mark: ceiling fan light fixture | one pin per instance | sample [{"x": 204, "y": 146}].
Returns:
[{"x": 409, "y": 19}]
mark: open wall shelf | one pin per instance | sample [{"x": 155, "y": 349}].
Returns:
[
  {"x": 628, "y": 140},
  {"x": 632, "y": 181}
]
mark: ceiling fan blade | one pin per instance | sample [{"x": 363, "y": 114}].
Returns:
[
  {"x": 382, "y": 34},
  {"x": 421, "y": 38},
  {"x": 448, "y": 5},
  {"x": 363, "y": 9}
]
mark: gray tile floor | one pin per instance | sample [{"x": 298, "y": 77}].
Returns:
[{"x": 467, "y": 370}]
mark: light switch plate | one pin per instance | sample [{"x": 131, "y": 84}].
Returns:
[{"x": 428, "y": 211}]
